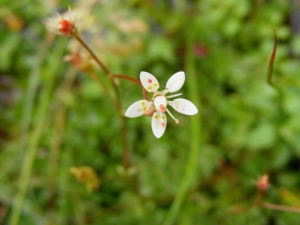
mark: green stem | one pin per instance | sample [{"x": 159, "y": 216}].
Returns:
[
  {"x": 31, "y": 90},
  {"x": 35, "y": 137},
  {"x": 195, "y": 142}
]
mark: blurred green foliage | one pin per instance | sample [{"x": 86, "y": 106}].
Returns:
[{"x": 248, "y": 128}]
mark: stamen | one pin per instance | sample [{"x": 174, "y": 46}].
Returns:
[
  {"x": 172, "y": 96},
  {"x": 176, "y": 120},
  {"x": 151, "y": 111},
  {"x": 162, "y": 108}
]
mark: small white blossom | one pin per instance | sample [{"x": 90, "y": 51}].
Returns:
[{"x": 158, "y": 105}]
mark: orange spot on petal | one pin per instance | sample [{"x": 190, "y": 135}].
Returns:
[
  {"x": 163, "y": 124},
  {"x": 149, "y": 81}
]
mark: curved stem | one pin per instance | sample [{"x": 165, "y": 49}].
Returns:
[
  {"x": 128, "y": 78},
  {"x": 133, "y": 80},
  {"x": 118, "y": 101},
  {"x": 93, "y": 55},
  {"x": 280, "y": 207},
  {"x": 271, "y": 63},
  {"x": 33, "y": 140},
  {"x": 99, "y": 81}
]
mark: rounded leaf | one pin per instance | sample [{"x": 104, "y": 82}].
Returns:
[
  {"x": 183, "y": 106},
  {"x": 159, "y": 123},
  {"x": 175, "y": 82},
  {"x": 137, "y": 109},
  {"x": 149, "y": 81}
]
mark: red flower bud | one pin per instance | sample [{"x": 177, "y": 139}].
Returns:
[{"x": 263, "y": 182}]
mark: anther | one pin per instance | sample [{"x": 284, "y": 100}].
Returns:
[
  {"x": 176, "y": 120},
  {"x": 162, "y": 108}
]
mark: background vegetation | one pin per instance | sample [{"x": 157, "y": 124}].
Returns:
[{"x": 61, "y": 155}]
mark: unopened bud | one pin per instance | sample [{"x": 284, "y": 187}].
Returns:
[
  {"x": 80, "y": 61},
  {"x": 66, "y": 27},
  {"x": 263, "y": 182}
]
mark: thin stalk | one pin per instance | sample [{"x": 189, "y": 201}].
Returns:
[
  {"x": 126, "y": 161},
  {"x": 59, "y": 126},
  {"x": 104, "y": 88},
  {"x": 32, "y": 87},
  {"x": 35, "y": 138},
  {"x": 271, "y": 63},
  {"x": 133, "y": 80},
  {"x": 93, "y": 55},
  {"x": 195, "y": 142},
  {"x": 128, "y": 78},
  {"x": 280, "y": 207}
]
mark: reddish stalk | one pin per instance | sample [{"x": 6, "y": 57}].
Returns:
[
  {"x": 133, "y": 80},
  {"x": 271, "y": 63},
  {"x": 280, "y": 207},
  {"x": 126, "y": 160},
  {"x": 93, "y": 55},
  {"x": 128, "y": 78}
]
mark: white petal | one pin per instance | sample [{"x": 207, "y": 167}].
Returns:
[
  {"x": 137, "y": 109},
  {"x": 149, "y": 81},
  {"x": 175, "y": 82},
  {"x": 183, "y": 106},
  {"x": 159, "y": 123}
]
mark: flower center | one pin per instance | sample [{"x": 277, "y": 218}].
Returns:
[{"x": 160, "y": 103}]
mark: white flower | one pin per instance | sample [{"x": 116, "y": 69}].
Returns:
[{"x": 158, "y": 105}]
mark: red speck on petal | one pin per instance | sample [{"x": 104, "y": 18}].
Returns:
[
  {"x": 163, "y": 124},
  {"x": 149, "y": 81}
]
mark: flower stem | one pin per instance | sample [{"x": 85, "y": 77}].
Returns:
[
  {"x": 195, "y": 141},
  {"x": 105, "y": 69},
  {"x": 133, "y": 80},
  {"x": 280, "y": 207},
  {"x": 126, "y": 161},
  {"x": 99, "y": 81},
  {"x": 128, "y": 78},
  {"x": 34, "y": 139}
]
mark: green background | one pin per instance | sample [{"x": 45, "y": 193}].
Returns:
[{"x": 203, "y": 170}]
